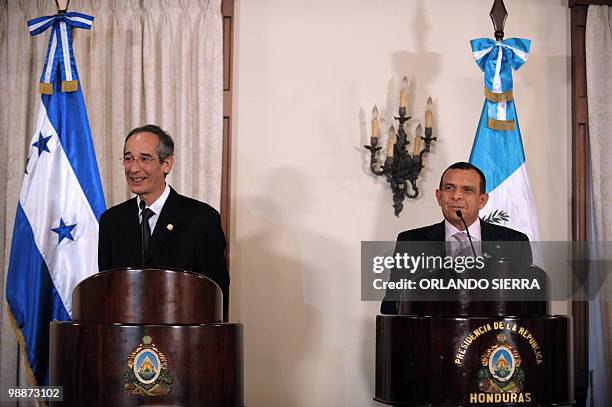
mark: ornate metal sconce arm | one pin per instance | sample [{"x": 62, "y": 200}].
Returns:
[
  {"x": 374, "y": 149},
  {"x": 428, "y": 139},
  {"x": 414, "y": 187}
]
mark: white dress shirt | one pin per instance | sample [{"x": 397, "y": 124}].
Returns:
[{"x": 156, "y": 207}]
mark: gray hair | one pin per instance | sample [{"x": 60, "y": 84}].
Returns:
[{"x": 165, "y": 148}]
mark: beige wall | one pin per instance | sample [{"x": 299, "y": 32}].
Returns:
[{"x": 307, "y": 74}]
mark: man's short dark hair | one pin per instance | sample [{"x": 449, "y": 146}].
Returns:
[
  {"x": 165, "y": 148},
  {"x": 462, "y": 165}
]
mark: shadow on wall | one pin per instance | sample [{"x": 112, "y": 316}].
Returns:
[
  {"x": 425, "y": 63},
  {"x": 422, "y": 68},
  {"x": 286, "y": 361}
]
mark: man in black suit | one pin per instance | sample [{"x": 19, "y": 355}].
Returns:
[
  {"x": 179, "y": 232},
  {"x": 462, "y": 188}
]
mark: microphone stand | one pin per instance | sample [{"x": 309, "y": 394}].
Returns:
[
  {"x": 142, "y": 206},
  {"x": 460, "y": 215}
]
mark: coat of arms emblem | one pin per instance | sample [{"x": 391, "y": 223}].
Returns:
[
  {"x": 147, "y": 371},
  {"x": 501, "y": 370}
]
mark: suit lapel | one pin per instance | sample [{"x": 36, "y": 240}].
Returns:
[
  {"x": 491, "y": 246},
  {"x": 488, "y": 233},
  {"x": 437, "y": 234},
  {"x": 167, "y": 224},
  {"x": 130, "y": 227}
]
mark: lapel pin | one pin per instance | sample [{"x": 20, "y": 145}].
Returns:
[{"x": 170, "y": 226}]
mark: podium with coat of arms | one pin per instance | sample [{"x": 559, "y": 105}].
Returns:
[
  {"x": 463, "y": 352},
  {"x": 147, "y": 337}
]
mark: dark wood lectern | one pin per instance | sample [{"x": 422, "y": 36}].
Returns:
[
  {"x": 147, "y": 337},
  {"x": 474, "y": 353}
]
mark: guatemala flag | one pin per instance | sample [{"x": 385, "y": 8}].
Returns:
[
  {"x": 498, "y": 148},
  {"x": 55, "y": 236}
]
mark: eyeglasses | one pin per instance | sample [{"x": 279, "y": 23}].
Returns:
[{"x": 145, "y": 160}]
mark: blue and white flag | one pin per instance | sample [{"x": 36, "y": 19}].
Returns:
[
  {"x": 498, "y": 147},
  {"x": 55, "y": 236}
]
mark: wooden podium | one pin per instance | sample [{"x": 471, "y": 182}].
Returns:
[
  {"x": 147, "y": 337},
  {"x": 474, "y": 353}
]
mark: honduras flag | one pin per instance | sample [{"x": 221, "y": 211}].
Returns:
[
  {"x": 498, "y": 148},
  {"x": 55, "y": 236}
]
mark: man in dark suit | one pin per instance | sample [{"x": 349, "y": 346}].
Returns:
[
  {"x": 179, "y": 232},
  {"x": 462, "y": 188}
]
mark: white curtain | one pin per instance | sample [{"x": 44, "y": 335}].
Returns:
[
  {"x": 144, "y": 61},
  {"x": 598, "y": 42}
]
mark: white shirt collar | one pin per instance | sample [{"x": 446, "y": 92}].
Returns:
[
  {"x": 159, "y": 202},
  {"x": 450, "y": 230}
]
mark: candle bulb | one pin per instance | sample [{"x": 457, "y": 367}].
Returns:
[
  {"x": 404, "y": 93},
  {"x": 375, "y": 125},
  {"x": 390, "y": 142},
  {"x": 429, "y": 114},
  {"x": 417, "y": 140}
]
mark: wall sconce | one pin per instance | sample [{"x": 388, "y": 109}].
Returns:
[{"x": 401, "y": 168}]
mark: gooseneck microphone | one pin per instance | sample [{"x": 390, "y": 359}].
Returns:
[
  {"x": 142, "y": 206},
  {"x": 460, "y": 215}
]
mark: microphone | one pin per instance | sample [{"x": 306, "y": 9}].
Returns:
[
  {"x": 460, "y": 215},
  {"x": 142, "y": 206}
]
